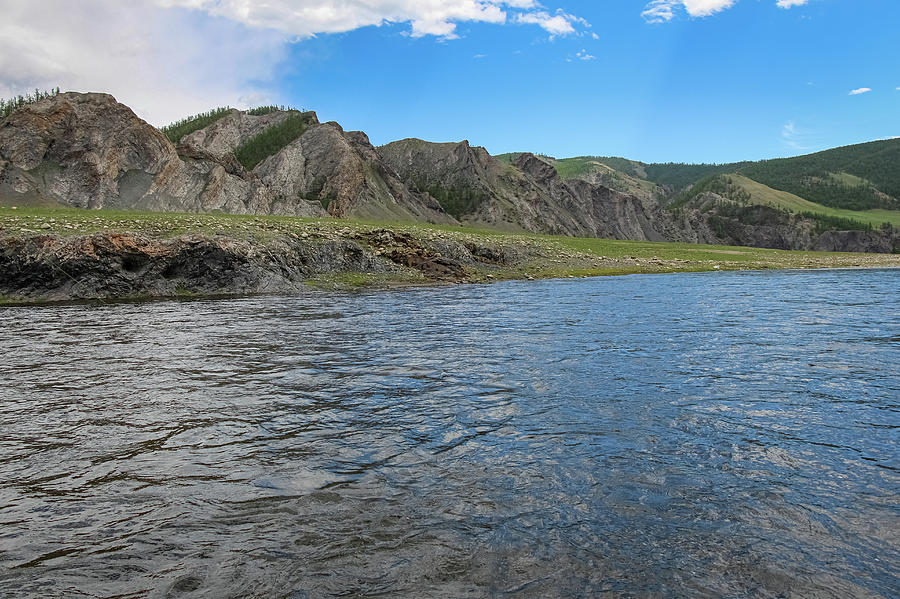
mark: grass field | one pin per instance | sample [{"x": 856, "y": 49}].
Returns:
[{"x": 762, "y": 194}]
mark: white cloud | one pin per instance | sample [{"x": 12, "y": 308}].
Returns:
[
  {"x": 663, "y": 11},
  {"x": 660, "y": 11},
  {"x": 306, "y": 18},
  {"x": 704, "y": 8},
  {"x": 167, "y": 59},
  {"x": 791, "y": 136},
  {"x": 584, "y": 55},
  {"x": 162, "y": 64},
  {"x": 861, "y": 90},
  {"x": 561, "y": 23}
]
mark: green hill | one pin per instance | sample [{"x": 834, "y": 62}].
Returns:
[
  {"x": 762, "y": 194},
  {"x": 860, "y": 177},
  {"x": 745, "y": 191}
]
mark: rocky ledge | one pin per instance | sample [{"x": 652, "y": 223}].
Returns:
[
  {"x": 84, "y": 255},
  {"x": 49, "y": 267},
  {"x": 124, "y": 265}
]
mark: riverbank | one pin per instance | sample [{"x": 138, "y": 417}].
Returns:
[{"x": 50, "y": 254}]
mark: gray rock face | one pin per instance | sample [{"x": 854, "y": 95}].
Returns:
[
  {"x": 711, "y": 218},
  {"x": 341, "y": 172},
  {"x": 461, "y": 177},
  {"x": 878, "y": 241},
  {"x": 75, "y": 149},
  {"x": 220, "y": 139},
  {"x": 89, "y": 151},
  {"x": 527, "y": 195}
]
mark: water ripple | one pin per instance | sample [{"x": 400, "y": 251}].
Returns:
[{"x": 709, "y": 435}]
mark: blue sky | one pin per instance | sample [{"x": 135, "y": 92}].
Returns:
[{"x": 698, "y": 80}]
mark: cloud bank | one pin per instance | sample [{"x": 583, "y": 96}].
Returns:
[
  {"x": 307, "y": 18},
  {"x": 171, "y": 58},
  {"x": 163, "y": 64}
]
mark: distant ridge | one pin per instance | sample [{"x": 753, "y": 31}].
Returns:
[
  {"x": 856, "y": 177},
  {"x": 89, "y": 151}
]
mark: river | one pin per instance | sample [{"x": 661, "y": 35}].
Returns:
[{"x": 685, "y": 435}]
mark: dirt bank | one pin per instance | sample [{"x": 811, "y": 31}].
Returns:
[
  {"x": 61, "y": 256},
  {"x": 121, "y": 265}
]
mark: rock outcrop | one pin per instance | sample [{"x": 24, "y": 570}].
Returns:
[
  {"x": 89, "y": 151},
  {"x": 77, "y": 149},
  {"x": 879, "y": 241},
  {"x": 711, "y": 218},
  {"x": 525, "y": 195},
  {"x": 341, "y": 172},
  {"x": 47, "y": 267}
]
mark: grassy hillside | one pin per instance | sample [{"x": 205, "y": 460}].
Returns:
[
  {"x": 671, "y": 174},
  {"x": 745, "y": 191},
  {"x": 679, "y": 176},
  {"x": 626, "y": 176},
  {"x": 508, "y": 157},
  {"x": 571, "y": 168},
  {"x": 876, "y": 162},
  {"x": 762, "y": 194},
  {"x": 861, "y": 177},
  {"x": 582, "y": 166}
]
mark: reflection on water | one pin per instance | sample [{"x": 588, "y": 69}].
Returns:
[{"x": 714, "y": 435}]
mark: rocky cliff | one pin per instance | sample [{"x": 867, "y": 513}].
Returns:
[
  {"x": 89, "y": 151},
  {"x": 712, "y": 218},
  {"x": 524, "y": 195},
  {"x": 52, "y": 255}
]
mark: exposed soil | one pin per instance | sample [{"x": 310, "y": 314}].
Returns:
[{"x": 104, "y": 265}]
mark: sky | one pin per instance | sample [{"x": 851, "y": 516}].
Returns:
[{"x": 651, "y": 80}]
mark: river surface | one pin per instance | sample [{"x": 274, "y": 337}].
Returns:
[{"x": 688, "y": 435}]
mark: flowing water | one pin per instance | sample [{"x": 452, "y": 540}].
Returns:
[{"x": 690, "y": 435}]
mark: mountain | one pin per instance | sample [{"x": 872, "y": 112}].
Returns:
[
  {"x": 846, "y": 198},
  {"x": 89, "y": 151},
  {"x": 858, "y": 177},
  {"x": 603, "y": 197},
  {"x": 526, "y": 194},
  {"x": 743, "y": 190},
  {"x": 599, "y": 173}
]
